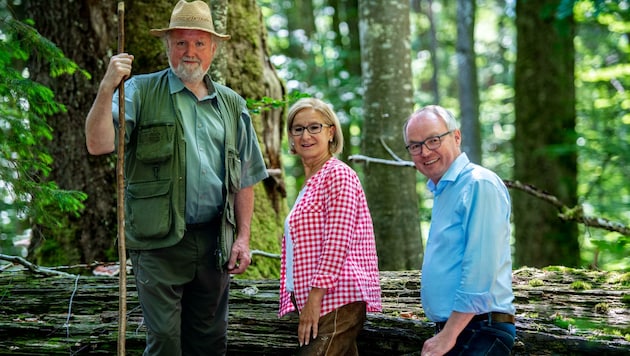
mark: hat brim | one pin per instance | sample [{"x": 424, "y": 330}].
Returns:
[{"x": 159, "y": 32}]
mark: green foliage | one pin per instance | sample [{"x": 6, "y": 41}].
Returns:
[
  {"x": 601, "y": 330},
  {"x": 25, "y": 41},
  {"x": 267, "y": 103},
  {"x": 24, "y": 105},
  {"x": 603, "y": 125},
  {"x": 602, "y": 308},
  {"x": 563, "y": 322},
  {"x": 580, "y": 285},
  {"x": 319, "y": 64},
  {"x": 266, "y": 238},
  {"x": 58, "y": 251},
  {"x": 602, "y": 69},
  {"x": 624, "y": 280},
  {"x": 559, "y": 269}
]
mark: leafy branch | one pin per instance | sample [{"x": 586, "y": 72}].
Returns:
[{"x": 25, "y": 163}]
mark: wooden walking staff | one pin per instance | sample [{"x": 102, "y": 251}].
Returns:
[{"x": 122, "y": 253}]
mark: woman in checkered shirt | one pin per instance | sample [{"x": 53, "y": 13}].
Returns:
[{"x": 329, "y": 272}]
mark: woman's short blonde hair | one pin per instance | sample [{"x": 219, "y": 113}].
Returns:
[{"x": 330, "y": 118}]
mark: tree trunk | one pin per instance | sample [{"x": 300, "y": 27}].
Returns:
[
  {"x": 554, "y": 317},
  {"x": 544, "y": 141},
  {"x": 251, "y": 74},
  {"x": 348, "y": 43},
  {"x": 388, "y": 101},
  {"x": 433, "y": 49},
  {"x": 467, "y": 80},
  {"x": 86, "y": 31}
]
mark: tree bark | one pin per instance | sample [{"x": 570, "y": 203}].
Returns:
[
  {"x": 388, "y": 101},
  {"x": 85, "y": 32},
  {"x": 544, "y": 141},
  {"x": 467, "y": 80},
  {"x": 78, "y": 315}
]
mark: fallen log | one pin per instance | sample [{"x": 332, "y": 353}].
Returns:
[{"x": 559, "y": 312}]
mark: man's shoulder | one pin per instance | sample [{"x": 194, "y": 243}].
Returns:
[
  {"x": 146, "y": 82},
  {"x": 479, "y": 172},
  {"x": 484, "y": 179},
  {"x": 226, "y": 91},
  {"x": 150, "y": 76}
]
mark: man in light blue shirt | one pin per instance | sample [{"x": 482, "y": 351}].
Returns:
[{"x": 467, "y": 269}]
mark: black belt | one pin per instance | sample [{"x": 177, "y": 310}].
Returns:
[
  {"x": 495, "y": 317},
  {"x": 198, "y": 226},
  {"x": 204, "y": 225}
]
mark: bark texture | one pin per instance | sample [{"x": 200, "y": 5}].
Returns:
[
  {"x": 559, "y": 312},
  {"x": 544, "y": 141},
  {"x": 468, "y": 88},
  {"x": 85, "y": 31},
  {"x": 388, "y": 101}
]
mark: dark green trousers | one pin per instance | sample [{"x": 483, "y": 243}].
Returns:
[{"x": 184, "y": 298}]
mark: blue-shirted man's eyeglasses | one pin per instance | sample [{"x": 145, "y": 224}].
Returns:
[{"x": 432, "y": 143}]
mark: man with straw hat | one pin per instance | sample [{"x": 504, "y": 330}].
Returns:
[{"x": 191, "y": 159}]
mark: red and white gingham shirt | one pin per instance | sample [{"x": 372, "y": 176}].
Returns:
[{"x": 333, "y": 243}]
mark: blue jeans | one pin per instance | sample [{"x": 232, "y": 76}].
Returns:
[{"x": 485, "y": 338}]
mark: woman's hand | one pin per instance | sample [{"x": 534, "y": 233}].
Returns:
[{"x": 309, "y": 316}]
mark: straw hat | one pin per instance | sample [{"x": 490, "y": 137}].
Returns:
[{"x": 190, "y": 16}]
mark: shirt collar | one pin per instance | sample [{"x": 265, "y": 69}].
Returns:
[
  {"x": 450, "y": 175},
  {"x": 176, "y": 85}
]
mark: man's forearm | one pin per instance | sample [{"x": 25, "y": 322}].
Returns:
[
  {"x": 457, "y": 322},
  {"x": 244, "y": 210},
  {"x": 99, "y": 125}
]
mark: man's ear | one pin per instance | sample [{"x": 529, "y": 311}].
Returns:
[{"x": 458, "y": 136}]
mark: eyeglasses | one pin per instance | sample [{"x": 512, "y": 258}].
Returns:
[
  {"x": 432, "y": 143},
  {"x": 312, "y": 129}
]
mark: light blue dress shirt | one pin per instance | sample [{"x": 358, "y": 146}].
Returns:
[{"x": 467, "y": 262}]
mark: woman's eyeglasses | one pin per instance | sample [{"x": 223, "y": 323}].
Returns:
[{"x": 312, "y": 129}]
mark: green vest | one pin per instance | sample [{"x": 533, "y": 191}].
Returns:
[{"x": 155, "y": 166}]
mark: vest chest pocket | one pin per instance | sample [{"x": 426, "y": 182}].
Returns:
[
  {"x": 155, "y": 142},
  {"x": 148, "y": 209}
]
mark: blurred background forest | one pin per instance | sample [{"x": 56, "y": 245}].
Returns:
[{"x": 539, "y": 87}]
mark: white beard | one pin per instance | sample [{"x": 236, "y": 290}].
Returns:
[{"x": 188, "y": 74}]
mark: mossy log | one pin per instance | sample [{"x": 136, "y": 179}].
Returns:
[{"x": 559, "y": 312}]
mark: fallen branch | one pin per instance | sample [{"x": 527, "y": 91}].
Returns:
[
  {"x": 33, "y": 267},
  {"x": 565, "y": 213},
  {"x": 368, "y": 160},
  {"x": 265, "y": 254},
  {"x": 570, "y": 214}
]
